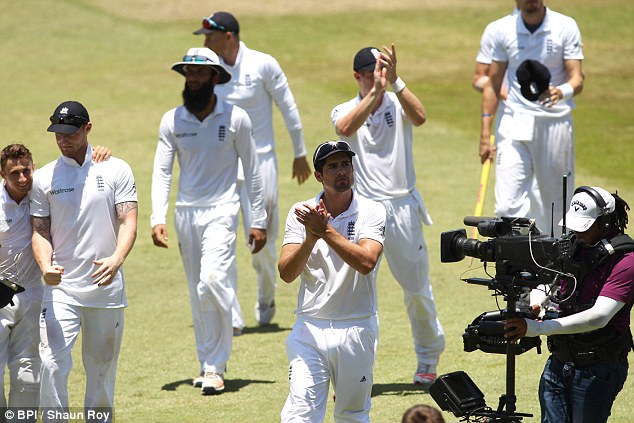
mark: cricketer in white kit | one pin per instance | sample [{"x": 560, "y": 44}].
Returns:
[
  {"x": 19, "y": 329},
  {"x": 84, "y": 219},
  {"x": 332, "y": 242},
  {"x": 208, "y": 142},
  {"x": 534, "y": 138},
  {"x": 379, "y": 127},
  {"x": 257, "y": 82}
]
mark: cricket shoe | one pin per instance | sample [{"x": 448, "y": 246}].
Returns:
[
  {"x": 197, "y": 382},
  {"x": 264, "y": 313},
  {"x": 212, "y": 383},
  {"x": 425, "y": 375}
]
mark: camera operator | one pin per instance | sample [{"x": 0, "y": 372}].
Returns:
[{"x": 590, "y": 338}]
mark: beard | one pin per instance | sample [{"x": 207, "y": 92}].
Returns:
[{"x": 195, "y": 101}]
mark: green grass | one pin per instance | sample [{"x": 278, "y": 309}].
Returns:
[{"x": 118, "y": 65}]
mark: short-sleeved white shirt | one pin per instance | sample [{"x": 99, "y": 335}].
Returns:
[
  {"x": 258, "y": 80},
  {"x": 556, "y": 40},
  {"x": 384, "y": 163},
  {"x": 207, "y": 154},
  {"x": 15, "y": 240},
  {"x": 80, "y": 201},
  {"x": 329, "y": 287}
]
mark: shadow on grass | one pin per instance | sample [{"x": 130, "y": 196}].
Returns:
[
  {"x": 231, "y": 385},
  {"x": 397, "y": 389},
  {"x": 271, "y": 328}
]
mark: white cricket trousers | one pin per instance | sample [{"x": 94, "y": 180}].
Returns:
[
  {"x": 322, "y": 351},
  {"x": 19, "y": 349},
  {"x": 265, "y": 262},
  {"x": 522, "y": 166},
  {"x": 406, "y": 254},
  {"x": 102, "y": 333},
  {"x": 207, "y": 242}
]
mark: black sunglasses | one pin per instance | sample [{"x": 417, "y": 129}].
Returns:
[{"x": 68, "y": 120}]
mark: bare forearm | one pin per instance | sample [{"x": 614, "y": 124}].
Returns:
[
  {"x": 350, "y": 123},
  {"x": 293, "y": 259},
  {"x": 41, "y": 242},
  {"x": 127, "y": 213},
  {"x": 359, "y": 257},
  {"x": 412, "y": 106}
]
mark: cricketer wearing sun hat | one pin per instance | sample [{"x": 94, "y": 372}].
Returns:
[
  {"x": 202, "y": 56},
  {"x": 209, "y": 137},
  {"x": 68, "y": 117}
]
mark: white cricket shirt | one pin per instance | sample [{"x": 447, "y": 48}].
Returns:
[
  {"x": 329, "y": 287},
  {"x": 257, "y": 80},
  {"x": 207, "y": 154},
  {"x": 15, "y": 240},
  {"x": 81, "y": 203},
  {"x": 556, "y": 40},
  {"x": 384, "y": 165}
]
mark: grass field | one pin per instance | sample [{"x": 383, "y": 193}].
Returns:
[{"x": 115, "y": 55}]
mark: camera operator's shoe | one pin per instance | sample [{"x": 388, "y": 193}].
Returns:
[
  {"x": 264, "y": 313},
  {"x": 425, "y": 375},
  {"x": 212, "y": 383}
]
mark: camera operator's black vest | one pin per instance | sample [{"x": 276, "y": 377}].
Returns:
[{"x": 601, "y": 344}]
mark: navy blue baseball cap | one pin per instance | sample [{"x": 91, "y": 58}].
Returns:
[
  {"x": 328, "y": 148},
  {"x": 365, "y": 59},
  {"x": 68, "y": 117},
  {"x": 534, "y": 79}
]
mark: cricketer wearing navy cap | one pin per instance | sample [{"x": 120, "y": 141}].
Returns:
[
  {"x": 68, "y": 117},
  {"x": 329, "y": 148},
  {"x": 219, "y": 21},
  {"x": 365, "y": 59}
]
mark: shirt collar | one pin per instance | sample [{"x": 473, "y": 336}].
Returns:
[
  {"x": 544, "y": 27},
  {"x": 354, "y": 204},
  {"x": 187, "y": 116},
  {"x": 6, "y": 198}
]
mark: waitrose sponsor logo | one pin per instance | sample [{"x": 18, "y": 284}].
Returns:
[{"x": 61, "y": 190}]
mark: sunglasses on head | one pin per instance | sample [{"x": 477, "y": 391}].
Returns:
[
  {"x": 209, "y": 23},
  {"x": 197, "y": 59},
  {"x": 68, "y": 120},
  {"x": 330, "y": 146}
]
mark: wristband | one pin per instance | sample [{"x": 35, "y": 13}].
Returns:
[
  {"x": 566, "y": 91},
  {"x": 398, "y": 85},
  {"x": 486, "y": 115}
]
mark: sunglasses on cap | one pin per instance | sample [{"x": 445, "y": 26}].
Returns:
[
  {"x": 197, "y": 59},
  {"x": 209, "y": 23},
  {"x": 68, "y": 120},
  {"x": 331, "y": 147}
]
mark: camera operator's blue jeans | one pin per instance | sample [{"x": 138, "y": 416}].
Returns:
[{"x": 570, "y": 394}]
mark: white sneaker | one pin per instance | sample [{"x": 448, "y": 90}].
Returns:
[
  {"x": 212, "y": 383},
  {"x": 264, "y": 314},
  {"x": 425, "y": 375},
  {"x": 197, "y": 382}
]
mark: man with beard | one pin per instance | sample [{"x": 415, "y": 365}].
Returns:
[
  {"x": 209, "y": 137},
  {"x": 332, "y": 242}
]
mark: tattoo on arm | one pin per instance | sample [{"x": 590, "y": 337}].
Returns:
[
  {"x": 42, "y": 225},
  {"x": 125, "y": 207}
]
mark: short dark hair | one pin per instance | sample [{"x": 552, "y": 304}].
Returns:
[
  {"x": 14, "y": 151},
  {"x": 422, "y": 413}
]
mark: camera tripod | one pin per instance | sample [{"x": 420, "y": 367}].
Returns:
[{"x": 505, "y": 412}]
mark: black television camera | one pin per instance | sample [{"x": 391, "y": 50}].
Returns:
[{"x": 524, "y": 259}]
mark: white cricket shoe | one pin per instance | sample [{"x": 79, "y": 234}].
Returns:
[
  {"x": 263, "y": 313},
  {"x": 213, "y": 383},
  {"x": 425, "y": 375}
]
